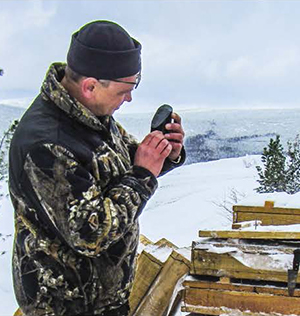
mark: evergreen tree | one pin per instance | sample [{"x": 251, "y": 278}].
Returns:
[
  {"x": 273, "y": 177},
  {"x": 293, "y": 169}
]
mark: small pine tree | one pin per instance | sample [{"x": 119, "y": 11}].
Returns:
[
  {"x": 293, "y": 169},
  {"x": 273, "y": 177}
]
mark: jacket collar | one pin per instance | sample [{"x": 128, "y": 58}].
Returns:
[{"x": 53, "y": 90}]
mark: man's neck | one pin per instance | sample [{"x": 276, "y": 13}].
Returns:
[{"x": 73, "y": 89}]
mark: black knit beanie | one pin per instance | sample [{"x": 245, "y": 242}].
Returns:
[{"x": 104, "y": 50}]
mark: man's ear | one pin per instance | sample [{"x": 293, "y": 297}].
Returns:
[{"x": 88, "y": 87}]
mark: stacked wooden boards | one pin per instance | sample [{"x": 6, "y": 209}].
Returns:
[
  {"x": 267, "y": 214},
  {"x": 243, "y": 272},
  {"x": 161, "y": 267}
]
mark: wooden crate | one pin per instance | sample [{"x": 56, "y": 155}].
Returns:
[
  {"x": 249, "y": 261},
  {"x": 214, "y": 298},
  {"x": 267, "y": 214}
]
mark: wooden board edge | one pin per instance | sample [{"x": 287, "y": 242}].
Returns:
[{"x": 227, "y": 234}]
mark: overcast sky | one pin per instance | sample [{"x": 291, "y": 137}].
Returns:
[{"x": 195, "y": 53}]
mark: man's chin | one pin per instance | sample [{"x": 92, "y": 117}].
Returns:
[{"x": 117, "y": 108}]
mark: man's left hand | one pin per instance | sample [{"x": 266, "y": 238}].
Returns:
[{"x": 175, "y": 136}]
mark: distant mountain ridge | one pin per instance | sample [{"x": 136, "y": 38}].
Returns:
[{"x": 210, "y": 135}]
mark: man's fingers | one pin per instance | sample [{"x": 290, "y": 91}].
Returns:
[
  {"x": 162, "y": 145},
  {"x": 176, "y": 137},
  {"x": 165, "y": 148},
  {"x": 149, "y": 138},
  {"x": 175, "y": 128},
  {"x": 176, "y": 118},
  {"x": 176, "y": 147},
  {"x": 157, "y": 141}
]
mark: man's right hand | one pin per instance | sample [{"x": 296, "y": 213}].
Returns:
[{"x": 152, "y": 152}]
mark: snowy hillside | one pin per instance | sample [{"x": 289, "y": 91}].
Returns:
[{"x": 188, "y": 199}]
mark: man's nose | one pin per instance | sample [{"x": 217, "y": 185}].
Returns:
[{"x": 128, "y": 97}]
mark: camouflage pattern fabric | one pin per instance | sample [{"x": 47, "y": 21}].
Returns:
[{"x": 77, "y": 198}]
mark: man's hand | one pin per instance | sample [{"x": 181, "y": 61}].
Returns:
[
  {"x": 152, "y": 152},
  {"x": 175, "y": 136}
]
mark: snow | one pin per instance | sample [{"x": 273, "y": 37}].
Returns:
[
  {"x": 280, "y": 262},
  {"x": 188, "y": 199},
  {"x": 274, "y": 228},
  {"x": 281, "y": 199},
  {"x": 161, "y": 253},
  {"x": 17, "y": 102},
  {"x": 269, "y": 258},
  {"x": 8, "y": 304},
  {"x": 188, "y": 196}
]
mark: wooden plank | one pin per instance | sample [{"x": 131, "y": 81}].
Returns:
[
  {"x": 243, "y": 301},
  {"x": 249, "y": 246},
  {"x": 176, "y": 304},
  {"x": 266, "y": 219},
  {"x": 18, "y": 312},
  {"x": 158, "y": 299},
  {"x": 145, "y": 241},
  {"x": 224, "y": 280},
  {"x": 202, "y": 310},
  {"x": 268, "y": 214},
  {"x": 148, "y": 267},
  {"x": 225, "y": 265},
  {"x": 224, "y": 234},
  {"x": 269, "y": 204},
  {"x": 214, "y": 311},
  {"x": 239, "y": 287},
  {"x": 163, "y": 242},
  {"x": 246, "y": 224},
  {"x": 262, "y": 209}
]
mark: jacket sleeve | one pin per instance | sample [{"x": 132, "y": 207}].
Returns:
[
  {"x": 130, "y": 141},
  {"x": 170, "y": 165},
  {"x": 86, "y": 215}
]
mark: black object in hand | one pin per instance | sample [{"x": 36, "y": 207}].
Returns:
[
  {"x": 293, "y": 273},
  {"x": 162, "y": 117}
]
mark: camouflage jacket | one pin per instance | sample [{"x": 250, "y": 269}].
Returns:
[{"x": 77, "y": 198}]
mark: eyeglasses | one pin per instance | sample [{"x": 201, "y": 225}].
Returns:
[{"x": 136, "y": 83}]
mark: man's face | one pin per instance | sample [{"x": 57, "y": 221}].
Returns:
[{"x": 109, "y": 99}]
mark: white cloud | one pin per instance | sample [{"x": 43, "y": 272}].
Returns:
[
  {"x": 193, "y": 51},
  {"x": 25, "y": 26},
  {"x": 37, "y": 15},
  {"x": 268, "y": 67},
  {"x": 22, "y": 17}
]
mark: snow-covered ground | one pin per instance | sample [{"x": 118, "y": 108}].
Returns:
[{"x": 188, "y": 199}]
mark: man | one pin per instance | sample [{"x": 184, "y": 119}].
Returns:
[{"x": 79, "y": 182}]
